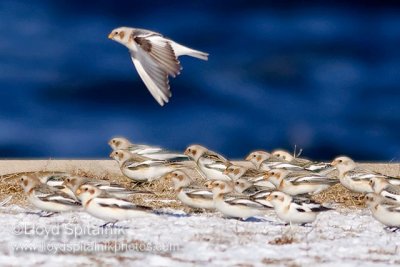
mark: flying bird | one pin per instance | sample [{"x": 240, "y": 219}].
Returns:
[{"x": 155, "y": 58}]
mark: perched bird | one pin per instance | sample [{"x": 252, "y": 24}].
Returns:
[
  {"x": 264, "y": 161},
  {"x": 320, "y": 167},
  {"x": 101, "y": 205},
  {"x": 238, "y": 207},
  {"x": 356, "y": 178},
  {"x": 211, "y": 164},
  {"x": 51, "y": 178},
  {"x": 297, "y": 183},
  {"x": 252, "y": 175},
  {"x": 152, "y": 152},
  {"x": 388, "y": 191},
  {"x": 142, "y": 169},
  {"x": 116, "y": 190},
  {"x": 193, "y": 197},
  {"x": 47, "y": 198},
  {"x": 385, "y": 212},
  {"x": 155, "y": 58},
  {"x": 293, "y": 212}
]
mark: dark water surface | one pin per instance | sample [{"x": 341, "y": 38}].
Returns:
[{"x": 323, "y": 78}]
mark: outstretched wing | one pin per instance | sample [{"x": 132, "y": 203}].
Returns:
[{"x": 154, "y": 61}]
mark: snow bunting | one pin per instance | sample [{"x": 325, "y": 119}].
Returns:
[
  {"x": 192, "y": 197},
  {"x": 101, "y": 205},
  {"x": 142, "y": 169},
  {"x": 155, "y": 58},
  {"x": 297, "y": 183},
  {"x": 53, "y": 179},
  {"x": 152, "y": 152},
  {"x": 116, "y": 190},
  {"x": 355, "y": 178},
  {"x": 236, "y": 172},
  {"x": 238, "y": 207},
  {"x": 211, "y": 164},
  {"x": 319, "y": 167},
  {"x": 293, "y": 212},
  {"x": 382, "y": 187},
  {"x": 264, "y": 161},
  {"x": 383, "y": 211},
  {"x": 45, "y": 197}
]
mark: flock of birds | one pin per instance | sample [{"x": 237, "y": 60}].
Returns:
[{"x": 266, "y": 182}]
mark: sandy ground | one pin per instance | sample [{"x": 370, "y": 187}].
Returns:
[{"x": 178, "y": 236}]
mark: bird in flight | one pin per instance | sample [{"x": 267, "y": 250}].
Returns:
[{"x": 155, "y": 58}]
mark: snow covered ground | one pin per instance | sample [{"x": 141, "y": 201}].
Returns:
[{"x": 346, "y": 236}]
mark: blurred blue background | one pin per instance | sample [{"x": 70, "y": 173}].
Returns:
[{"x": 322, "y": 77}]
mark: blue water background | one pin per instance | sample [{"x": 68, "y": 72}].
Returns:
[{"x": 323, "y": 76}]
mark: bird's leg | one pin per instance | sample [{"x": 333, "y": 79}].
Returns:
[
  {"x": 46, "y": 214},
  {"x": 105, "y": 225},
  {"x": 393, "y": 229}
]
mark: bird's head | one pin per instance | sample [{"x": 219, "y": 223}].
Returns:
[
  {"x": 343, "y": 164},
  {"x": 86, "y": 192},
  {"x": 120, "y": 155},
  {"x": 371, "y": 199},
  {"x": 277, "y": 198},
  {"x": 377, "y": 184},
  {"x": 28, "y": 182},
  {"x": 119, "y": 143},
  {"x": 220, "y": 187},
  {"x": 195, "y": 152},
  {"x": 234, "y": 171},
  {"x": 120, "y": 35},
  {"x": 73, "y": 183},
  {"x": 179, "y": 179},
  {"x": 257, "y": 157},
  {"x": 241, "y": 184},
  {"x": 283, "y": 155}
]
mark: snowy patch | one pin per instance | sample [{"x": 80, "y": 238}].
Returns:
[{"x": 345, "y": 236}]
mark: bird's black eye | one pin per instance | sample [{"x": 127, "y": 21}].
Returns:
[
  {"x": 86, "y": 189},
  {"x": 275, "y": 196},
  {"x": 340, "y": 161}
]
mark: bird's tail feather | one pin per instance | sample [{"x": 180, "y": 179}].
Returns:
[{"x": 181, "y": 50}]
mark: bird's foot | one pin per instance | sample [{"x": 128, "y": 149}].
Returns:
[{"x": 393, "y": 229}]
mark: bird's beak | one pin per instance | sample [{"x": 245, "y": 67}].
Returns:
[
  {"x": 78, "y": 192},
  {"x": 269, "y": 198},
  {"x": 186, "y": 152},
  {"x": 248, "y": 157},
  {"x": 111, "y": 35},
  {"x": 111, "y": 155},
  {"x": 225, "y": 172},
  {"x": 334, "y": 163},
  {"x": 266, "y": 176}
]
